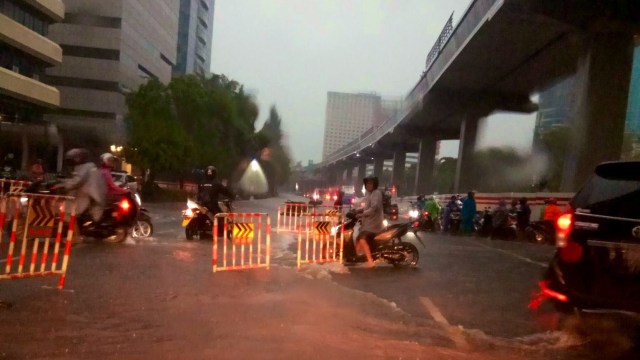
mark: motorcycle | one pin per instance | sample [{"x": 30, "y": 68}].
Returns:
[
  {"x": 143, "y": 226},
  {"x": 541, "y": 232},
  {"x": 389, "y": 245},
  {"x": 196, "y": 221},
  {"x": 118, "y": 218},
  {"x": 425, "y": 222}
]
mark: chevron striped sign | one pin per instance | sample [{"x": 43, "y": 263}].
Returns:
[
  {"x": 41, "y": 218},
  {"x": 242, "y": 233},
  {"x": 16, "y": 187},
  {"x": 332, "y": 212},
  {"x": 322, "y": 228}
]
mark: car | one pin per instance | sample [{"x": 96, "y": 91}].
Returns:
[
  {"x": 125, "y": 180},
  {"x": 596, "y": 265}
]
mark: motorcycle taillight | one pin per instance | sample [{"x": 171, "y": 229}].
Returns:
[{"x": 124, "y": 205}]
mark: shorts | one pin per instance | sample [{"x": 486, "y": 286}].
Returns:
[{"x": 369, "y": 237}]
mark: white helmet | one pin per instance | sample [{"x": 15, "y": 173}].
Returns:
[{"x": 107, "y": 159}]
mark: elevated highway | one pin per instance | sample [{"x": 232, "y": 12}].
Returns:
[{"x": 498, "y": 55}]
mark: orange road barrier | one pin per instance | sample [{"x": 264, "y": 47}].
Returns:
[
  {"x": 37, "y": 219},
  {"x": 246, "y": 241},
  {"x": 13, "y": 186},
  {"x": 322, "y": 244}
]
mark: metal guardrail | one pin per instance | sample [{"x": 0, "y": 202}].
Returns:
[{"x": 450, "y": 40}]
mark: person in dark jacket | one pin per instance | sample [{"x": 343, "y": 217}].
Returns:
[
  {"x": 524, "y": 214},
  {"x": 210, "y": 190}
]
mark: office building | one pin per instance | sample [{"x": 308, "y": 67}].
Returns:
[
  {"x": 110, "y": 48},
  {"x": 195, "y": 35},
  {"x": 25, "y": 53},
  {"x": 347, "y": 117},
  {"x": 633, "y": 109}
]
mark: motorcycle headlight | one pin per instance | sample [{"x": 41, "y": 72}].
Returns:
[
  {"x": 191, "y": 204},
  {"x": 24, "y": 201},
  {"x": 385, "y": 223},
  {"x": 413, "y": 213},
  {"x": 335, "y": 229},
  {"x": 188, "y": 213}
]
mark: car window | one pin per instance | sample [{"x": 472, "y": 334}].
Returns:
[{"x": 610, "y": 196}]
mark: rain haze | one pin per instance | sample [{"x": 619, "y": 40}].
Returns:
[{"x": 291, "y": 53}]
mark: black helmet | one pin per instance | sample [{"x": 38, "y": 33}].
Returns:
[
  {"x": 210, "y": 172},
  {"x": 373, "y": 179}
]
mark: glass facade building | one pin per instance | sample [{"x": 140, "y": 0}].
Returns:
[
  {"x": 633, "y": 109},
  {"x": 195, "y": 36}
]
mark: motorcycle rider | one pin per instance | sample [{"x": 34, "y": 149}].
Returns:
[
  {"x": 500, "y": 220},
  {"x": 107, "y": 162},
  {"x": 371, "y": 218},
  {"x": 433, "y": 208},
  {"x": 86, "y": 184},
  {"x": 451, "y": 206},
  {"x": 209, "y": 190}
]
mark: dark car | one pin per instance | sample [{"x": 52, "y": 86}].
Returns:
[{"x": 597, "y": 259}]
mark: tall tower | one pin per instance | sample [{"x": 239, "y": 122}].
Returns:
[
  {"x": 195, "y": 36},
  {"x": 110, "y": 48}
]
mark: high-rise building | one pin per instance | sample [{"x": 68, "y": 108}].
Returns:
[
  {"x": 25, "y": 52},
  {"x": 195, "y": 36},
  {"x": 110, "y": 48},
  {"x": 347, "y": 117}
]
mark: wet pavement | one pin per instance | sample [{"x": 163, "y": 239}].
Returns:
[{"x": 158, "y": 298}]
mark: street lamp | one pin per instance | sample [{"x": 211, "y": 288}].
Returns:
[{"x": 116, "y": 150}]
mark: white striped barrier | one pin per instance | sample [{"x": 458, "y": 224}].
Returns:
[{"x": 318, "y": 240}]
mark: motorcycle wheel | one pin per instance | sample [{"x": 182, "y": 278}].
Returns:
[
  {"x": 118, "y": 237},
  {"x": 142, "y": 228},
  {"x": 411, "y": 256}
]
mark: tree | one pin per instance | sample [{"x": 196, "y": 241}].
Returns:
[
  {"x": 445, "y": 175},
  {"x": 157, "y": 141},
  {"x": 278, "y": 164},
  {"x": 554, "y": 146}
]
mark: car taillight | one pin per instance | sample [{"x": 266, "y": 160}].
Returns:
[
  {"x": 328, "y": 197},
  {"x": 569, "y": 251},
  {"x": 335, "y": 197},
  {"x": 425, "y": 214},
  {"x": 353, "y": 201},
  {"x": 564, "y": 224},
  {"x": 125, "y": 205}
]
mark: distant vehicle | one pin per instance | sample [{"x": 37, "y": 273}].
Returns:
[
  {"x": 125, "y": 180},
  {"x": 349, "y": 195},
  {"x": 597, "y": 260}
]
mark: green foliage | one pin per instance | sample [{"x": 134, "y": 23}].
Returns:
[
  {"x": 554, "y": 144},
  {"x": 445, "y": 175},
  {"x": 195, "y": 122},
  {"x": 270, "y": 137}
]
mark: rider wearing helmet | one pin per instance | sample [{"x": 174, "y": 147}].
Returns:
[
  {"x": 209, "y": 190},
  {"x": 107, "y": 162},
  {"x": 371, "y": 217},
  {"x": 85, "y": 184}
]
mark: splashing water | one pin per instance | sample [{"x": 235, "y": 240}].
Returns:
[{"x": 253, "y": 181}]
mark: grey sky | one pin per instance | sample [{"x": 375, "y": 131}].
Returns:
[{"x": 291, "y": 52}]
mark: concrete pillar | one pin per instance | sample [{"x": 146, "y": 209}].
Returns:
[
  {"x": 378, "y": 167},
  {"x": 349, "y": 177},
  {"x": 399, "y": 161},
  {"x": 468, "y": 134},
  {"x": 600, "y": 105},
  {"x": 362, "y": 172},
  {"x": 332, "y": 176},
  {"x": 426, "y": 159}
]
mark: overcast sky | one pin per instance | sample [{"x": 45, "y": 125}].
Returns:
[{"x": 291, "y": 52}]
